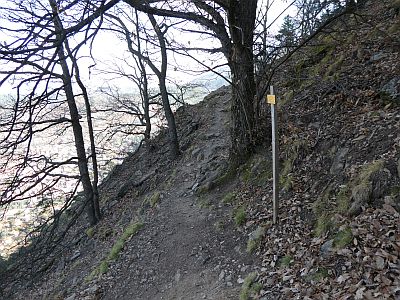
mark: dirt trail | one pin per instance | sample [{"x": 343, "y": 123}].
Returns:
[
  {"x": 188, "y": 247},
  {"x": 185, "y": 251}
]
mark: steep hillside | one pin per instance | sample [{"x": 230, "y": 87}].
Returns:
[
  {"x": 162, "y": 236},
  {"x": 193, "y": 229},
  {"x": 338, "y": 236}
]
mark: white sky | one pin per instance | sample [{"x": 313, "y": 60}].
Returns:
[{"x": 107, "y": 48}]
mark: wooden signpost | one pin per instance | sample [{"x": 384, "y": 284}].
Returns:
[{"x": 271, "y": 99}]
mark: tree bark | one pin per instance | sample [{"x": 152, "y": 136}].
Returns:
[
  {"x": 76, "y": 126},
  {"x": 162, "y": 74},
  {"x": 241, "y": 19},
  {"x": 144, "y": 88}
]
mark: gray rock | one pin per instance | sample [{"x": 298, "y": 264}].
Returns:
[
  {"x": 377, "y": 56},
  {"x": 72, "y": 297},
  {"x": 392, "y": 89},
  {"x": 75, "y": 255},
  {"x": 195, "y": 152},
  {"x": 221, "y": 275},
  {"x": 326, "y": 248},
  {"x": 94, "y": 289},
  {"x": 339, "y": 160},
  {"x": 195, "y": 186}
]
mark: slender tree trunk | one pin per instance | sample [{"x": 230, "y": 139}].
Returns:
[
  {"x": 146, "y": 105},
  {"x": 76, "y": 126},
  {"x": 93, "y": 154},
  {"x": 241, "y": 18},
  {"x": 144, "y": 90},
  {"x": 162, "y": 74}
]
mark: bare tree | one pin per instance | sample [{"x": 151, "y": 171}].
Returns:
[
  {"x": 134, "y": 42},
  {"x": 37, "y": 54}
]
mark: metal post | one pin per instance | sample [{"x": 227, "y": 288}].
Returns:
[{"x": 275, "y": 155}]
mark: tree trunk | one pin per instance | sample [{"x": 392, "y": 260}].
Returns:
[
  {"x": 144, "y": 87},
  {"x": 241, "y": 18},
  {"x": 76, "y": 126},
  {"x": 162, "y": 74}
]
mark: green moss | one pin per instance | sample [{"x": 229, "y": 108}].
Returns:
[
  {"x": 103, "y": 268},
  {"x": 325, "y": 208},
  {"x": 219, "y": 225},
  {"x": 240, "y": 216},
  {"x": 334, "y": 68},
  {"x": 171, "y": 179},
  {"x": 286, "y": 182},
  {"x": 131, "y": 230},
  {"x": 286, "y": 98},
  {"x": 292, "y": 152},
  {"x": 202, "y": 190},
  {"x": 251, "y": 246},
  {"x": 90, "y": 232},
  {"x": 153, "y": 199},
  {"x": 255, "y": 239},
  {"x": 369, "y": 169},
  {"x": 324, "y": 224},
  {"x": 256, "y": 171},
  {"x": 116, "y": 249},
  {"x": 343, "y": 199},
  {"x": 395, "y": 191},
  {"x": 204, "y": 202},
  {"x": 256, "y": 287},
  {"x": 228, "y": 176},
  {"x": 320, "y": 274},
  {"x": 343, "y": 238},
  {"x": 394, "y": 29},
  {"x": 250, "y": 287},
  {"x": 229, "y": 198},
  {"x": 285, "y": 261}
]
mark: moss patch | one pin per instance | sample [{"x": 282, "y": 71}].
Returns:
[
  {"x": 343, "y": 238},
  {"x": 250, "y": 287},
  {"x": 257, "y": 171},
  {"x": 319, "y": 275},
  {"x": 90, "y": 232},
  {"x": 255, "y": 239},
  {"x": 129, "y": 231},
  {"x": 153, "y": 199},
  {"x": 323, "y": 209},
  {"x": 285, "y": 261},
  {"x": 225, "y": 178},
  {"x": 204, "y": 202},
  {"x": 229, "y": 198},
  {"x": 331, "y": 202},
  {"x": 240, "y": 216},
  {"x": 292, "y": 153},
  {"x": 343, "y": 199}
]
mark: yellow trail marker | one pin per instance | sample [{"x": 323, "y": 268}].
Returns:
[
  {"x": 275, "y": 155},
  {"x": 271, "y": 99}
]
